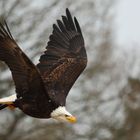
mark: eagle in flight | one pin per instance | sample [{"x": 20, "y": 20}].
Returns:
[{"x": 41, "y": 89}]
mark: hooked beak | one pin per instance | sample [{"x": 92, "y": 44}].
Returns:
[{"x": 71, "y": 119}]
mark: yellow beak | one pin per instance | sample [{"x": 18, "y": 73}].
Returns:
[{"x": 71, "y": 119}]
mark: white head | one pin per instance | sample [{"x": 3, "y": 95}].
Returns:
[{"x": 61, "y": 114}]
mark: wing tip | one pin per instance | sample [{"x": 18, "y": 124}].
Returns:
[
  {"x": 4, "y": 29},
  {"x": 67, "y": 10},
  {"x": 75, "y": 23}
]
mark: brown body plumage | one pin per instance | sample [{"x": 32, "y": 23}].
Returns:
[{"x": 43, "y": 88}]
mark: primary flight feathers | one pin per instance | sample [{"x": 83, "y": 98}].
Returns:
[{"x": 58, "y": 68}]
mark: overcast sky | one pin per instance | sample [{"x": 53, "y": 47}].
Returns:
[{"x": 128, "y": 22}]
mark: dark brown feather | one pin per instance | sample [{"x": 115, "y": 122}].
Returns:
[
  {"x": 65, "y": 58},
  {"x": 25, "y": 75}
]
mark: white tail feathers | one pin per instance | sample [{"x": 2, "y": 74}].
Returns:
[{"x": 8, "y": 100}]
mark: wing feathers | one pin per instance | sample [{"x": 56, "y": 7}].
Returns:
[
  {"x": 23, "y": 70},
  {"x": 61, "y": 26},
  {"x": 77, "y": 26},
  {"x": 70, "y": 20},
  {"x": 65, "y": 58},
  {"x": 66, "y": 22}
]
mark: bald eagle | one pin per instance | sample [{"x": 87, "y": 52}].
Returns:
[{"x": 41, "y": 89}]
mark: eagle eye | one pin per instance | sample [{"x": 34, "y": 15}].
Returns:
[{"x": 66, "y": 115}]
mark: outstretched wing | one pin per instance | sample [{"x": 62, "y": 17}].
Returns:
[
  {"x": 64, "y": 59},
  {"x": 25, "y": 74}
]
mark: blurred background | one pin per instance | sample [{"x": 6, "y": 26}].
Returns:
[{"x": 106, "y": 97}]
